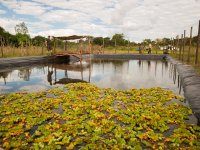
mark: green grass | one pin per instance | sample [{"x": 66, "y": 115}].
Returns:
[
  {"x": 192, "y": 57},
  {"x": 40, "y": 51}
]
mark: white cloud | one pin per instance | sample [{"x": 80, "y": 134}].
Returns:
[
  {"x": 138, "y": 19},
  {"x": 25, "y": 7},
  {"x": 2, "y": 12},
  {"x": 9, "y": 24}
]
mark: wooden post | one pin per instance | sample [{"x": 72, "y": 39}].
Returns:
[
  {"x": 173, "y": 45},
  {"x": 190, "y": 44},
  {"x": 115, "y": 46},
  {"x": 64, "y": 45},
  {"x": 103, "y": 45},
  {"x": 197, "y": 50},
  {"x": 89, "y": 50},
  {"x": 128, "y": 46},
  {"x": 1, "y": 46},
  {"x": 81, "y": 50},
  {"x": 181, "y": 44},
  {"x": 91, "y": 45},
  {"x": 54, "y": 44},
  {"x": 42, "y": 48},
  {"x": 177, "y": 46},
  {"x": 183, "y": 50}
]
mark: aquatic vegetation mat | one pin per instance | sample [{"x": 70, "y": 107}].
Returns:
[{"x": 83, "y": 116}]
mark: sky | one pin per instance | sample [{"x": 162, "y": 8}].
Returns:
[{"x": 137, "y": 19}]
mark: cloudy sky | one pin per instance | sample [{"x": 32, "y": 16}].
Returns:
[{"x": 137, "y": 19}]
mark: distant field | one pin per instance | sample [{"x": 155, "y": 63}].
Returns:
[{"x": 40, "y": 51}]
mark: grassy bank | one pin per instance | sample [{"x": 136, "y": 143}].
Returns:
[
  {"x": 184, "y": 58},
  {"x": 40, "y": 51},
  {"x": 83, "y": 116}
]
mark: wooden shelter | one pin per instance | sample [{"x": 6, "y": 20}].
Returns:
[
  {"x": 75, "y": 54},
  {"x": 72, "y": 37}
]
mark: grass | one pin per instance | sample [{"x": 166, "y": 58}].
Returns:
[
  {"x": 40, "y": 51},
  {"x": 9, "y": 51},
  {"x": 83, "y": 116},
  {"x": 192, "y": 56}
]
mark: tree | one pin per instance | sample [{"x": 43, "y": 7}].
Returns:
[
  {"x": 119, "y": 39},
  {"x": 147, "y": 41},
  {"x": 2, "y": 31},
  {"x": 22, "y": 39},
  {"x": 8, "y": 38},
  {"x": 38, "y": 40},
  {"x": 22, "y": 33},
  {"x": 21, "y": 28},
  {"x": 107, "y": 41},
  {"x": 98, "y": 40}
]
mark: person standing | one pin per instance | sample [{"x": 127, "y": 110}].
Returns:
[
  {"x": 149, "y": 49},
  {"x": 48, "y": 44}
]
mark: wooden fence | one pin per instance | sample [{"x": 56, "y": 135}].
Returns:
[{"x": 187, "y": 53}]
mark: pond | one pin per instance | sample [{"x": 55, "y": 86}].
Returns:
[
  {"x": 91, "y": 117},
  {"x": 117, "y": 74}
]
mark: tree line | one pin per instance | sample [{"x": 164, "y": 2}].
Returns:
[{"x": 22, "y": 38}]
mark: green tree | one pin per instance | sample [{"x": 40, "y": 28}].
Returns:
[
  {"x": 22, "y": 34},
  {"x": 98, "y": 40},
  {"x": 107, "y": 41},
  {"x": 38, "y": 40},
  {"x": 7, "y": 37},
  {"x": 22, "y": 39},
  {"x": 119, "y": 39},
  {"x": 146, "y": 41}
]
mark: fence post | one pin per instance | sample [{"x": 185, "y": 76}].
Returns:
[
  {"x": 54, "y": 46},
  {"x": 42, "y": 48},
  {"x": 181, "y": 44},
  {"x": 171, "y": 45},
  {"x": 173, "y": 48},
  {"x": 183, "y": 50},
  {"x": 115, "y": 46},
  {"x": 197, "y": 50},
  {"x": 190, "y": 44},
  {"x": 177, "y": 45},
  {"x": 1, "y": 46},
  {"x": 103, "y": 45},
  {"x": 129, "y": 47}
]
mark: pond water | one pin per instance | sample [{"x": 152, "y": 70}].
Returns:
[{"x": 117, "y": 74}]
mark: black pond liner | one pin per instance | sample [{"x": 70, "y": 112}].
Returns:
[{"x": 190, "y": 82}]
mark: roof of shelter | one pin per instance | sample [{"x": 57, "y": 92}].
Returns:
[{"x": 72, "y": 37}]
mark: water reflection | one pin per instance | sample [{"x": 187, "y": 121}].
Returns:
[
  {"x": 25, "y": 74},
  {"x": 4, "y": 75},
  {"x": 117, "y": 74}
]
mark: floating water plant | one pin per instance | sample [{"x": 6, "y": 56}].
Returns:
[{"x": 83, "y": 116}]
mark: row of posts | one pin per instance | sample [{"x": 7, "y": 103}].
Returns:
[{"x": 180, "y": 44}]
